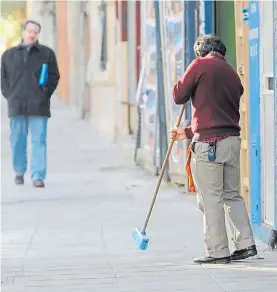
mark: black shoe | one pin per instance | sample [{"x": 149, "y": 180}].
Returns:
[
  {"x": 245, "y": 253},
  {"x": 210, "y": 260},
  {"x": 38, "y": 184},
  {"x": 19, "y": 180}
]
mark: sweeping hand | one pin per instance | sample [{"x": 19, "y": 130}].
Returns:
[{"x": 177, "y": 134}]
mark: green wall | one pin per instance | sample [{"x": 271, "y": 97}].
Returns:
[{"x": 225, "y": 27}]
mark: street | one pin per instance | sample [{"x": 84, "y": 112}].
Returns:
[{"x": 76, "y": 234}]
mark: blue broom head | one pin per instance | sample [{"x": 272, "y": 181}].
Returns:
[{"x": 141, "y": 239}]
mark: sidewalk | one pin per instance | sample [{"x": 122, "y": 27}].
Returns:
[{"x": 76, "y": 234}]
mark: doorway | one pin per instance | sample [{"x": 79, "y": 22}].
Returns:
[{"x": 224, "y": 27}]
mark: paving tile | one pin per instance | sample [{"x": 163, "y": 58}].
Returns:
[{"x": 76, "y": 234}]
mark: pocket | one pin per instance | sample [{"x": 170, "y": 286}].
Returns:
[
  {"x": 197, "y": 148},
  {"x": 235, "y": 146},
  {"x": 15, "y": 89},
  {"x": 35, "y": 83},
  {"x": 35, "y": 78},
  {"x": 13, "y": 83},
  {"x": 41, "y": 92},
  {"x": 201, "y": 150}
]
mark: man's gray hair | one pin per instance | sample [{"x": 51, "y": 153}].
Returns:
[{"x": 33, "y": 22}]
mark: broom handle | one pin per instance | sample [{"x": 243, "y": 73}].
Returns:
[{"x": 163, "y": 170}]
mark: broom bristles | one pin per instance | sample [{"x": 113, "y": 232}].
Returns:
[{"x": 141, "y": 239}]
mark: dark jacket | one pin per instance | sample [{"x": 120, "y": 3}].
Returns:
[
  {"x": 215, "y": 90},
  {"x": 20, "y": 71}
]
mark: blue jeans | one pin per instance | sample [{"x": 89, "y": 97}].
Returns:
[{"x": 19, "y": 126}]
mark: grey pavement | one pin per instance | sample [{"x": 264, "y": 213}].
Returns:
[{"x": 76, "y": 234}]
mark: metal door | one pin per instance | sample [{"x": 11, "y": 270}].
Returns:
[
  {"x": 254, "y": 111},
  {"x": 267, "y": 112}
]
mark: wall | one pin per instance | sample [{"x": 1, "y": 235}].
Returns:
[
  {"x": 124, "y": 75},
  {"x": 103, "y": 84},
  {"x": 175, "y": 55},
  {"x": 48, "y": 20},
  {"x": 132, "y": 31},
  {"x": 44, "y": 13},
  {"x": 34, "y": 10},
  {"x": 112, "y": 89},
  {"x": 86, "y": 58},
  {"x": 74, "y": 32},
  {"x": 74, "y": 40},
  {"x": 80, "y": 26},
  {"x": 63, "y": 50},
  {"x": 242, "y": 49}
]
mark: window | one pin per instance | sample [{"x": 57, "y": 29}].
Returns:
[{"x": 103, "y": 18}]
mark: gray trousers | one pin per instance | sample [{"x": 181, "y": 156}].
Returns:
[{"x": 218, "y": 194}]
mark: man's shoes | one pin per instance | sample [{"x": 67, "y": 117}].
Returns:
[
  {"x": 19, "y": 180},
  {"x": 211, "y": 260},
  {"x": 245, "y": 253},
  {"x": 38, "y": 184}
]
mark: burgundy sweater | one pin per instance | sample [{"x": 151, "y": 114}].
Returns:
[{"x": 215, "y": 90}]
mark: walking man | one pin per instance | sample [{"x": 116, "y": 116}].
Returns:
[
  {"x": 28, "y": 100},
  {"x": 215, "y": 90}
]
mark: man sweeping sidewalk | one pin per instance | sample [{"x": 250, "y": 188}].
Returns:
[{"x": 215, "y": 90}]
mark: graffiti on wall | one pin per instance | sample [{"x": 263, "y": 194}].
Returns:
[
  {"x": 150, "y": 83},
  {"x": 174, "y": 43},
  {"x": 173, "y": 14}
]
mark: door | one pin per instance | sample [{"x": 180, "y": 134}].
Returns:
[
  {"x": 226, "y": 29},
  {"x": 267, "y": 112},
  {"x": 254, "y": 111}
]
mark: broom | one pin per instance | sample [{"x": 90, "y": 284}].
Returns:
[{"x": 139, "y": 235}]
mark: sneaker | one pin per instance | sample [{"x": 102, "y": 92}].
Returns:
[
  {"x": 38, "y": 184},
  {"x": 245, "y": 253},
  {"x": 211, "y": 260},
  {"x": 19, "y": 180}
]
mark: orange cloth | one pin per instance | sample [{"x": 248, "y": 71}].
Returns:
[{"x": 188, "y": 170}]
